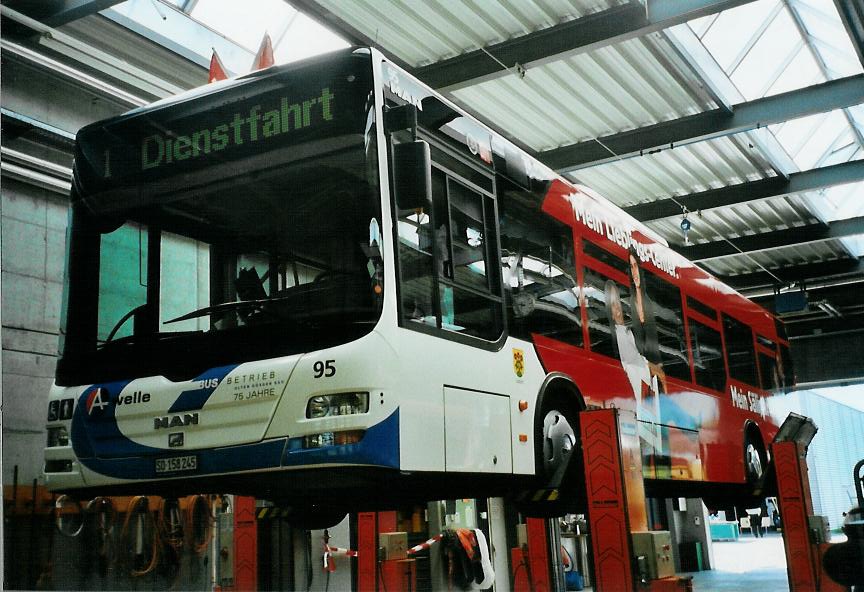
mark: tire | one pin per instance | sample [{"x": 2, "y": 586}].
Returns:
[
  {"x": 559, "y": 444},
  {"x": 559, "y": 460},
  {"x": 755, "y": 460}
]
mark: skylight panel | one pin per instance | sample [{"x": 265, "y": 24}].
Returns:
[
  {"x": 244, "y": 23},
  {"x": 822, "y": 23},
  {"x": 842, "y": 201},
  {"x": 802, "y": 70},
  {"x": 820, "y": 140},
  {"x": 305, "y": 38},
  {"x": 794, "y": 134},
  {"x": 733, "y": 29},
  {"x": 767, "y": 57}
]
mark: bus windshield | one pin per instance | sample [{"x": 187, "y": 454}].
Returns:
[{"x": 246, "y": 229}]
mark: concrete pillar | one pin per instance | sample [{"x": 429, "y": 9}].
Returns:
[{"x": 498, "y": 544}]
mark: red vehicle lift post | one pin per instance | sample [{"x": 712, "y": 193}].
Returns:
[{"x": 801, "y": 540}]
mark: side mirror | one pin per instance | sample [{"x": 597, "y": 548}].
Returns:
[{"x": 412, "y": 175}]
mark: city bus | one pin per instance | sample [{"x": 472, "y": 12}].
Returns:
[{"x": 326, "y": 284}]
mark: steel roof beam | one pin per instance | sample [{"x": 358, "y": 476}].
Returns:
[
  {"x": 771, "y": 240},
  {"x": 566, "y": 39},
  {"x": 819, "y": 98},
  {"x": 852, "y": 15},
  {"x": 810, "y": 180},
  {"x": 72, "y": 10},
  {"x": 796, "y": 273}
]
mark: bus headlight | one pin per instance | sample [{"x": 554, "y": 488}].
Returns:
[
  {"x": 338, "y": 404},
  {"x": 58, "y": 437}
]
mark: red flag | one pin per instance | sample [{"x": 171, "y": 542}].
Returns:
[
  {"x": 217, "y": 69},
  {"x": 264, "y": 57}
]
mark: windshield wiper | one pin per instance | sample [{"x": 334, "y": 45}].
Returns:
[{"x": 224, "y": 307}]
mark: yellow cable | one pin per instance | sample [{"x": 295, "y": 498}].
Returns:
[{"x": 132, "y": 509}]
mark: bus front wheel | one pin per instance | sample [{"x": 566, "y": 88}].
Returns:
[{"x": 559, "y": 445}]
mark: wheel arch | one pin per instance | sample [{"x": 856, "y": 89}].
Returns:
[
  {"x": 557, "y": 388},
  {"x": 558, "y": 384}
]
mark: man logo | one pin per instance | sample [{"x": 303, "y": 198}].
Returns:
[
  {"x": 175, "y": 421},
  {"x": 98, "y": 399}
]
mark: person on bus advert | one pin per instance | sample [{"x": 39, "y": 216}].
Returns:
[
  {"x": 644, "y": 326},
  {"x": 635, "y": 365}
]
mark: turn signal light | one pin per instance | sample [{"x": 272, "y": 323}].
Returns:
[
  {"x": 523, "y": 405},
  {"x": 333, "y": 438}
]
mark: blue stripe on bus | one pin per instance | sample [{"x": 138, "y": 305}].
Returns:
[
  {"x": 245, "y": 457},
  {"x": 379, "y": 447},
  {"x": 194, "y": 399}
]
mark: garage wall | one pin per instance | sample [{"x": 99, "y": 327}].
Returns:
[
  {"x": 835, "y": 449},
  {"x": 33, "y": 226}
]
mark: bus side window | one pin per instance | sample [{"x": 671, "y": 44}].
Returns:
[
  {"x": 786, "y": 370},
  {"x": 701, "y": 308},
  {"x": 416, "y": 240},
  {"x": 740, "y": 353},
  {"x": 538, "y": 269},
  {"x": 447, "y": 276},
  {"x": 707, "y": 356},
  {"x": 600, "y": 330},
  {"x": 469, "y": 281},
  {"x": 766, "y": 355},
  {"x": 668, "y": 314},
  {"x": 769, "y": 379}
]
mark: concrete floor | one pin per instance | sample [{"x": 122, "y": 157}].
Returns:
[{"x": 746, "y": 565}]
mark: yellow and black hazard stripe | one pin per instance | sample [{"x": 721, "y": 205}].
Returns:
[{"x": 271, "y": 513}]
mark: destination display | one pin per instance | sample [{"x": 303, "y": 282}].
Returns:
[{"x": 223, "y": 134}]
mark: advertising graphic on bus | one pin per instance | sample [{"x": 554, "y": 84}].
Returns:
[{"x": 325, "y": 276}]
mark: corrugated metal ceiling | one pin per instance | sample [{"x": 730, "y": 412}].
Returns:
[
  {"x": 676, "y": 172},
  {"x": 421, "y": 32},
  {"x": 592, "y": 94}
]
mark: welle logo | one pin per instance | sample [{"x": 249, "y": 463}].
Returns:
[{"x": 99, "y": 398}]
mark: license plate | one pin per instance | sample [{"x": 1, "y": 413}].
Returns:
[{"x": 174, "y": 464}]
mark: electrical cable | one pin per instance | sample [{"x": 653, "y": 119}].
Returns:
[
  {"x": 199, "y": 516},
  {"x": 171, "y": 524},
  {"x": 381, "y": 576},
  {"x": 171, "y": 539},
  {"x": 105, "y": 516},
  {"x": 62, "y": 510},
  {"x": 139, "y": 507}
]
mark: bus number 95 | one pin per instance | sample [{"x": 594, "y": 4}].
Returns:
[{"x": 324, "y": 368}]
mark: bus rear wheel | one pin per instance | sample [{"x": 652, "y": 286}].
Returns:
[{"x": 755, "y": 460}]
